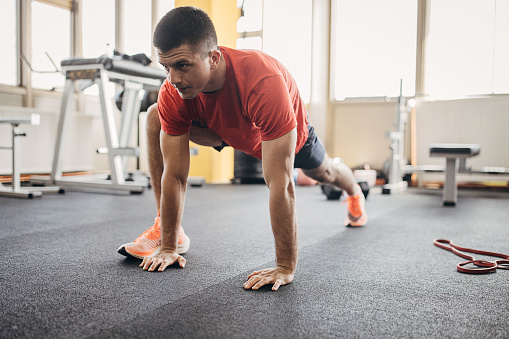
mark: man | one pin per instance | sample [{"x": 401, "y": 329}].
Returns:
[{"x": 217, "y": 96}]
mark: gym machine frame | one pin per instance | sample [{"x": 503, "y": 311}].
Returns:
[{"x": 117, "y": 145}]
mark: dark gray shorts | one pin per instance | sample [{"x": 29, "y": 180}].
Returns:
[{"x": 312, "y": 154}]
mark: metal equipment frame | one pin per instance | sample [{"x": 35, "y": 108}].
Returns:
[{"x": 117, "y": 148}]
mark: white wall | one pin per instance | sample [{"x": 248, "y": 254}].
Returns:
[
  {"x": 483, "y": 121},
  {"x": 359, "y": 132}
]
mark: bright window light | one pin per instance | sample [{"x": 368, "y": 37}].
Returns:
[
  {"x": 467, "y": 53},
  {"x": 96, "y": 36},
  {"x": 287, "y": 26},
  {"x": 50, "y": 41},
  {"x": 252, "y": 19},
  {"x": 8, "y": 61},
  {"x": 501, "y": 51},
  {"x": 137, "y": 27},
  {"x": 250, "y": 43},
  {"x": 163, "y": 7},
  {"x": 374, "y": 48}
]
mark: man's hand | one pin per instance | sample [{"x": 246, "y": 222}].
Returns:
[
  {"x": 277, "y": 275},
  {"x": 163, "y": 259}
]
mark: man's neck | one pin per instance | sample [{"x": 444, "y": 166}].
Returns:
[{"x": 218, "y": 77}]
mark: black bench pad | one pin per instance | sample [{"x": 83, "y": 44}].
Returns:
[
  {"x": 464, "y": 150},
  {"x": 120, "y": 66}
]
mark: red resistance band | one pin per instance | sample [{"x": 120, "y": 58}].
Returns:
[{"x": 483, "y": 266}]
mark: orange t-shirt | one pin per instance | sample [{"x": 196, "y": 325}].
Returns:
[{"x": 258, "y": 101}]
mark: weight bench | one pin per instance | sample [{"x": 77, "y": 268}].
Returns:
[
  {"x": 16, "y": 190},
  {"x": 455, "y": 155}
]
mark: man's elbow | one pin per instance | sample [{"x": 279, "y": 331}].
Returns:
[
  {"x": 281, "y": 183},
  {"x": 174, "y": 179}
]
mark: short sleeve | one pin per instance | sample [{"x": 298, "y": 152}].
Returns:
[
  {"x": 172, "y": 112},
  {"x": 270, "y": 108}
]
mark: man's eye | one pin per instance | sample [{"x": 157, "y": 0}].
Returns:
[{"x": 183, "y": 66}]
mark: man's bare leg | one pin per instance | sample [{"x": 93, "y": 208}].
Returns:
[
  {"x": 198, "y": 135},
  {"x": 337, "y": 174},
  {"x": 340, "y": 175}
]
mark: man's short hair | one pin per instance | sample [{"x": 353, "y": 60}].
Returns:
[{"x": 185, "y": 26}]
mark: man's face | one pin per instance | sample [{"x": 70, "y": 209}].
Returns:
[{"x": 187, "y": 71}]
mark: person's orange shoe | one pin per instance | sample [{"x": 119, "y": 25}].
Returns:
[
  {"x": 149, "y": 242},
  {"x": 356, "y": 210}
]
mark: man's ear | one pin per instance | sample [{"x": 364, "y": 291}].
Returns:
[{"x": 215, "y": 58}]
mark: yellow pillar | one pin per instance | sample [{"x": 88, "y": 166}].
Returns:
[{"x": 216, "y": 167}]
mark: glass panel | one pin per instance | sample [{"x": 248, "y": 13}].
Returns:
[
  {"x": 137, "y": 26},
  {"x": 50, "y": 37},
  {"x": 501, "y": 57},
  {"x": 252, "y": 19},
  {"x": 288, "y": 38},
  {"x": 98, "y": 26},
  {"x": 459, "y": 49},
  {"x": 163, "y": 7},
  {"x": 375, "y": 47},
  {"x": 250, "y": 43},
  {"x": 8, "y": 62}
]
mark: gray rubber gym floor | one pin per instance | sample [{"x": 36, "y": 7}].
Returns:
[{"x": 61, "y": 276}]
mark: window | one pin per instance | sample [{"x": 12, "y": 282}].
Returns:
[
  {"x": 501, "y": 48},
  {"x": 98, "y": 27},
  {"x": 163, "y": 7},
  {"x": 287, "y": 26},
  {"x": 251, "y": 20},
  {"x": 249, "y": 25},
  {"x": 8, "y": 57},
  {"x": 467, "y": 48},
  {"x": 283, "y": 30},
  {"x": 374, "y": 47},
  {"x": 51, "y": 42},
  {"x": 137, "y": 28},
  {"x": 250, "y": 43}
]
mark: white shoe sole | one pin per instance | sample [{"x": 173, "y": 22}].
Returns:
[{"x": 181, "y": 249}]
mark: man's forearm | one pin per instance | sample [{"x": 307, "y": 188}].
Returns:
[
  {"x": 172, "y": 208},
  {"x": 284, "y": 225}
]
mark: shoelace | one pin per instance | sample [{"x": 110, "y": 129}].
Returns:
[
  {"x": 483, "y": 266},
  {"x": 354, "y": 207},
  {"x": 155, "y": 228}
]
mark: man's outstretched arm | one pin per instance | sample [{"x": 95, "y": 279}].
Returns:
[
  {"x": 175, "y": 150},
  {"x": 277, "y": 159}
]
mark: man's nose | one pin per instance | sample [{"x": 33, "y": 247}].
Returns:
[{"x": 174, "y": 78}]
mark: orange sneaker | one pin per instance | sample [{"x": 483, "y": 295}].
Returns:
[
  {"x": 356, "y": 211},
  {"x": 149, "y": 242}
]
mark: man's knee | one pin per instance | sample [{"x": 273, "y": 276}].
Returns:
[{"x": 323, "y": 173}]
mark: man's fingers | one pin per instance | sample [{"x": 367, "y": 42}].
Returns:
[
  {"x": 261, "y": 283},
  {"x": 276, "y": 285},
  {"x": 276, "y": 276},
  {"x": 248, "y": 284},
  {"x": 154, "y": 265},
  {"x": 163, "y": 265},
  {"x": 253, "y": 274},
  {"x": 145, "y": 259}
]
